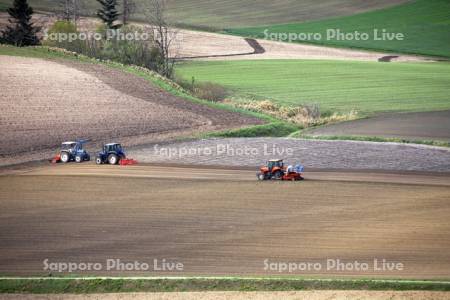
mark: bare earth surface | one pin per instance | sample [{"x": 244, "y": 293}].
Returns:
[
  {"x": 312, "y": 295},
  {"x": 193, "y": 44},
  {"x": 54, "y": 101},
  {"x": 311, "y": 153},
  {"x": 416, "y": 126},
  {"x": 282, "y": 50},
  {"x": 221, "y": 225}
]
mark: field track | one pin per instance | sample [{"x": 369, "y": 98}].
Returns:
[{"x": 222, "y": 222}]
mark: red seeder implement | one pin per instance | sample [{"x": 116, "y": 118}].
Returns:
[
  {"x": 127, "y": 162},
  {"x": 56, "y": 159}
]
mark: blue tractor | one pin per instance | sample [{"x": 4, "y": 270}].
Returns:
[
  {"x": 73, "y": 151},
  {"x": 111, "y": 153}
]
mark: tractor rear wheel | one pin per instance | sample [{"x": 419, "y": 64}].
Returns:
[
  {"x": 113, "y": 159},
  {"x": 278, "y": 175},
  {"x": 65, "y": 157}
]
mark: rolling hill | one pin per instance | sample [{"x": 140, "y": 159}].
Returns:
[
  {"x": 425, "y": 25},
  {"x": 216, "y": 15},
  {"x": 368, "y": 87}
]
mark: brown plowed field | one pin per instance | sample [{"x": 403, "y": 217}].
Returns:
[
  {"x": 222, "y": 222},
  {"x": 46, "y": 102}
]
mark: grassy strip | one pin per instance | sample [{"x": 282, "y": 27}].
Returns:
[
  {"x": 299, "y": 134},
  {"x": 274, "y": 127},
  {"x": 121, "y": 285}
]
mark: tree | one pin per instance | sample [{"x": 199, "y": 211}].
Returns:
[
  {"x": 129, "y": 7},
  {"x": 164, "y": 35},
  {"x": 108, "y": 13},
  {"x": 21, "y": 32},
  {"x": 70, "y": 10}
]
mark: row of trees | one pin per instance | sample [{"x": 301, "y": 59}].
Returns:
[
  {"x": 153, "y": 54},
  {"x": 71, "y": 10}
]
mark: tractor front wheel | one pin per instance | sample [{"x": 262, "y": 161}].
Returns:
[
  {"x": 261, "y": 176},
  {"x": 78, "y": 159},
  {"x": 98, "y": 161},
  {"x": 113, "y": 159}
]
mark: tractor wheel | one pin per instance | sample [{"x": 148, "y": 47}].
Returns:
[
  {"x": 78, "y": 159},
  {"x": 65, "y": 157},
  {"x": 278, "y": 175},
  {"x": 87, "y": 157},
  {"x": 98, "y": 161},
  {"x": 261, "y": 176},
  {"x": 113, "y": 159}
]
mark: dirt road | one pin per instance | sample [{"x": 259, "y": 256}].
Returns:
[{"x": 217, "y": 224}]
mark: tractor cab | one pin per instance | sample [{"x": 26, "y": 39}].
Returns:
[
  {"x": 69, "y": 146},
  {"x": 112, "y": 148},
  {"x": 275, "y": 164}
]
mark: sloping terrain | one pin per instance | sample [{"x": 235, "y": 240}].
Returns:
[
  {"x": 224, "y": 14},
  {"x": 424, "y": 24},
  {"x": 192, "y": 44},
  {"x": 46, "y": 102},
  {"x": 367, "y": 87}
]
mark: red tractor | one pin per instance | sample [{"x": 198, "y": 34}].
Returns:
[{"x": 276, "y": 170}]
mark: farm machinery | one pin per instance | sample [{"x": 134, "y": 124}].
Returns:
[
  {"x": 276, "y": 170},
  {"x": 113, "y": 154},
  {"x": 72, "y": 151}
]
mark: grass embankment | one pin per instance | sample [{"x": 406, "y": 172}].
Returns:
[
  {"x": 425, "y": 25},
  {"x": 336, "y": 86},
  {"x": 274, "y": 127},
  {"x": 118, "y": 285}
]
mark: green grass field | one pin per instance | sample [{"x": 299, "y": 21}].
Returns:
[
  {"x": 424, "y": 23},
  {"x": 216, "y": 15},
  {"x": 128, "y": 285},
  {"x": 368, "y": 87}
]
